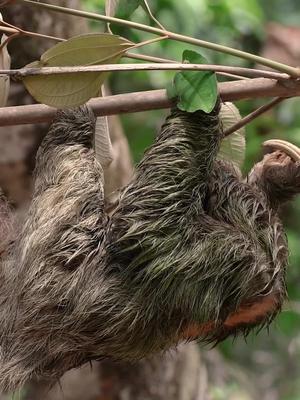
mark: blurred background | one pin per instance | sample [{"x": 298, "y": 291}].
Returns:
[{"x": 265, "y": 366}]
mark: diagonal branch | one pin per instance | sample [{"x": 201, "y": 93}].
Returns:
[{"x": 253, "y": 115}]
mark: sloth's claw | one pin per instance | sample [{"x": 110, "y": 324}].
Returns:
[{"x": 288, "y": 148}]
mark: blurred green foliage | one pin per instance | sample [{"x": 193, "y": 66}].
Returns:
[{"x": 271, "y": 360}]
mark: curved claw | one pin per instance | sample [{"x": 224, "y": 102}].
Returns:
[{"x": 288, "y": 148}]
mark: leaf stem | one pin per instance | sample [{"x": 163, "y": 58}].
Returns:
[
  {"x": 16, "y": 31},
  {"x": 150, "y": 41},
  {"x": 41, "y": 35},
  {"x": 7, "y": 29},
  {"x": 8, "y": 39},
  {"x": 294, "y": 72},
  {"x": 148, "y": 10}
]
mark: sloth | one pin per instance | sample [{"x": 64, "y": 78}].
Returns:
[{"x": 190, "y": 252}]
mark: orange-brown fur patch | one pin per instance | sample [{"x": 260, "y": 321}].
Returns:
[{"x": 245, "y": 314}]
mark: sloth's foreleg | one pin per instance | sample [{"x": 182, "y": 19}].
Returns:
[{"x": 246, "y": 209}]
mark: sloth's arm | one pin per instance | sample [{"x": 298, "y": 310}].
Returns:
[
  {"x": 258, "y": 243},
  {"x": 170, "y": 184},
  {"x": 180, "y": 161},
  {"x": 67, "y": 210}
]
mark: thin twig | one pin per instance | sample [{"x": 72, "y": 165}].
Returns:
[
  {"x": 247, "y": 72},
  {"x": 253, "y": 115},
  {"x": 8, "y": 40},
  {"x": 8, "y": 28},
  {"x": 41, "y": 35},
  {"x": 232, "y": 76},
  {"x": 144, "y": 57},
  {"x": 151, "y": 100},
  {"x": 148, "y": 10}
]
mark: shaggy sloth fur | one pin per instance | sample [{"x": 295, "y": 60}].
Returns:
[{"x": 190, "y": 252}]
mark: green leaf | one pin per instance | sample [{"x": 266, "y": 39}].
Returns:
[
  {"x": 233, "y": 147},
  {"x": 196, "y": 90},
  {"x": 68, "y": 90}
]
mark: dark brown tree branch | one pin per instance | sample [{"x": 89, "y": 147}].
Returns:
[{"x": 154, "y": 99}]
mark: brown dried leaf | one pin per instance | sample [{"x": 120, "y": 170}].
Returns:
[{"x": 69, "y": 90}]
